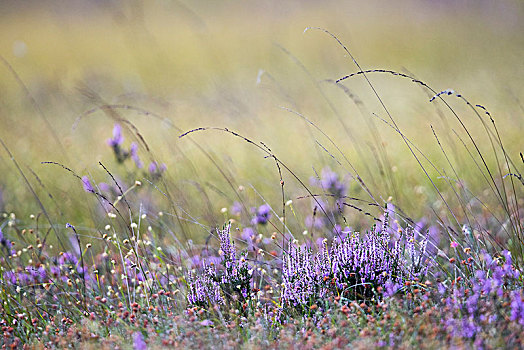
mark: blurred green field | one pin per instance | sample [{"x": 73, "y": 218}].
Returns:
[{"x": 235, "y": 64}]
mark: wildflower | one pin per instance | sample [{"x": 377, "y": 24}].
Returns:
[
  {"x": 236, "y": 208},
  {"x": 133, "y": 152},
  {"x": 156, "y": 170},
  {"x": 206, "y": 323},
  {"x": 117, "y": 138},
  {"x": 138, "y": 341},
  {"x": 262, "y": 215},
  {"x": 87, "y": 185},
  {"x": 453, "y": 244}
]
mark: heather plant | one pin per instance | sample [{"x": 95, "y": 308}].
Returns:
[
  {"x": 230, "y": 285},
  {"x": 126, "y": 254}
]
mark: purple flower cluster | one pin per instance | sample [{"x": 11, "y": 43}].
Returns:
[
  {"x": 331, "y": 183},
  {"x": 262, "y": 215},
  {"x": 334, "y": 191},
  {"x": 122, "y": 154},
  {"x": 494, "y": 292},
  {"x": 156, "y": 170},
  {"x": 231, "y": 283},
  {"x": 86, "y": 184},
  {"x": 353, "y": 267},
  {"x": 4, "y": 242},
  {"x": 118, "y": 138},
  {"x": 204, "y": 290}
]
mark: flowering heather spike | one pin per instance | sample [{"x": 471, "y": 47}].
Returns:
[
  {"x": 117, "y": 138},
  {"x": 87, "y": 185},
  {"x": 227, "y": 247},
  {"x": 232, "y": 282}
]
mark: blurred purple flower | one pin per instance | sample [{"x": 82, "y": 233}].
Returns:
[
  {"x": 104, "y": 187},
  {"x": 133, "y": 151},
  {"x": 117, "y": 138},
  {"x": 156, "y": 170},
  {"x": 87, "y": 185},
  {"x": 138, "y": 341},
  {"x": 236, "y": 208},
  {"x": 262, "y": 215},
  {"x": 206, "y": 323}
]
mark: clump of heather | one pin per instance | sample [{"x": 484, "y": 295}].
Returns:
[
  {"x": 230, "y": 284},
  {"x": 493, "y": 293},
  {"x": 352, "y": 268}
]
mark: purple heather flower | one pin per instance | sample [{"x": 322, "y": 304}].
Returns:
[
  {"x": 195, "y": 260},
  {"x": 262, "y": 215},
  {"x": 117, "y": 138},
  {"x": 227, "y": 247},
  {"x": 104, "y": 187},
  {"x": 67, "y": 257},
  {"x": 331, "y": 183},
  {"x": 55, "y": 270},
  {"x": 232, "y": 281},
  {"x": 10, "y": 277},
  {"x": 314, "y": 222},
  {"x": 206, "y": 323},
  {"x": 87, "y": 185},
  {"x": 133, "y": 151},
  {"x": 152, "y": 168},
  {"x": 392, "y": 288},
  {"x": 247, "y": 235},
  {"x": 156, "y": 170},
  {"x": 236, "y": 208},
  {"x": 138, "y": 341},
  {"x": 517, "y": 307},
  {"x": 350, "y": 264},
  {"x": 24, "y": 278}
]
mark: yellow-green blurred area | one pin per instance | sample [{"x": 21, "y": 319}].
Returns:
[{"x": 235, "y": 64}]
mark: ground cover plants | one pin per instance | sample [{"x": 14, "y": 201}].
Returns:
[{"x": 383, "y": 239}]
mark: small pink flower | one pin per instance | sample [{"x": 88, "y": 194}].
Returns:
[
  {"x": 206, "y": 323},
  {"x": 453, "y": 244}
]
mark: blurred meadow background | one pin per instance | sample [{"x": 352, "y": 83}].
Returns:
[
  {"x": 131, "y": 131},
  {"x": 71, "y": 70}
]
